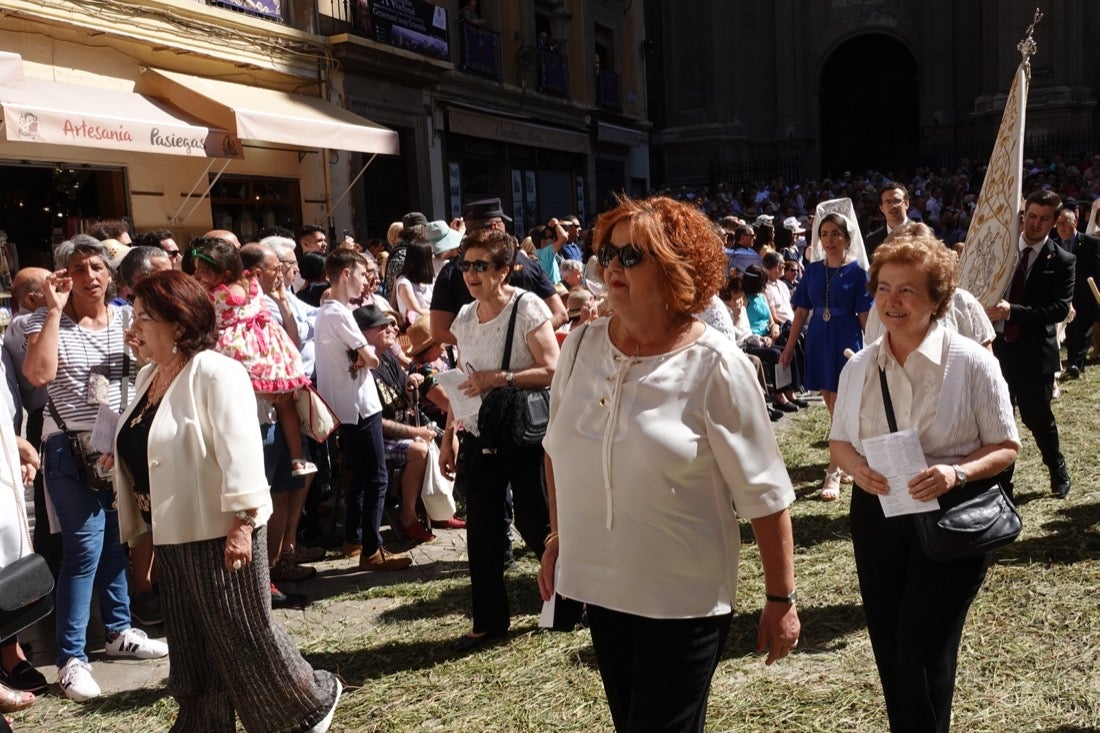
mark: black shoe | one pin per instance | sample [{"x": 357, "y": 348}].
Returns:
[
  {"x": 774, "y": 414},
  {"x": 296, "y": 601},
  {"x": 1073, "y": 372},
  {"x": 802, "y": 404},
  {"x": 23, "y": 676},
  {"x": 786, "y": 406},
  {"x": 1059, "y": 479},
  {"x": 467, "y": 643}
]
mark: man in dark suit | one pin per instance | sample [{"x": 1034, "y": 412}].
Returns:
[
  {"x": 1086, "y": 249},
  {"x": 1038, "y": 299},
  {"x": 893, "y": 202}
]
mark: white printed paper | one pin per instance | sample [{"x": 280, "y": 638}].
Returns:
[
  {"x": 464, "y": 408},
  {"x": 103, "y": 434},
  {"x": 899, "y": 457},
  {"x": 782, "y": 376}
]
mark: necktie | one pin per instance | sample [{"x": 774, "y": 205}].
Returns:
[{"x": 1016, "y": 291}]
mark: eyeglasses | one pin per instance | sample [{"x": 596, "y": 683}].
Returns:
[
  {"x": 475, "y": 265},
  {"x": 173, "y": 254},
  {"x": 288, "y": 263},
  {"x": 629, "y": 254},
  {"x": 790, "y": 269}
]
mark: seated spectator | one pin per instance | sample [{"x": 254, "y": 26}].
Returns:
[
  {"x": 767, "y": 331},
  {"x": 405, "y": 433},
  {"x": 572, "y": 275}
]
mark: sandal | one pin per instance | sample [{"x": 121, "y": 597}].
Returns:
[
  {"x": 12, "y": 701},
  {"x": 830, "y": 490},
  {"x": 302, "y": 468},
  {"x": 23, "y": 676},
  {"x": 845, "y": 478}
]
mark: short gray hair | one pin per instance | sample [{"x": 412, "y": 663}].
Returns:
[
  {"x": 279, "y": 245},
  {"x": 84, "y": 244},
  {"x": 571, "y": 266}
]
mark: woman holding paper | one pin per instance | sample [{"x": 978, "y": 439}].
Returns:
[
  {"x": 950, "y": 391},
  {"x": 485, "y": 259}
]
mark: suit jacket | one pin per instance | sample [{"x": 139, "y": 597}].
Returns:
[
  {"x": 1086, "y": 248},
  {"x": 873, "y": 240},
  {"x": 1048, "y": 292}
]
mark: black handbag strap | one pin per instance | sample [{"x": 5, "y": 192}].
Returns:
[
  {"x": 887, "y": 402},
  {"x": 511, "y": 332},
  {"x": 55, "y": 415}
]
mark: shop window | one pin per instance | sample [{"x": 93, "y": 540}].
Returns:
[{"x": 244, "y": 206}]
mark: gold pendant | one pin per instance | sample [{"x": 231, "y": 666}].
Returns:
[{"x": 826, "y": 315}]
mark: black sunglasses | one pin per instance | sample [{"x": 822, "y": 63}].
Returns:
[
  {"x": 629, "y": 254},
  {"x": 475, "y": 265}
]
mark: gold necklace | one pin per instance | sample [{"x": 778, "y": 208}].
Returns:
[{"x": 156, "y": 389}]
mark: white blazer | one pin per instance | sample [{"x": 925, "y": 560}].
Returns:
[{"x": 206, "y": 458}]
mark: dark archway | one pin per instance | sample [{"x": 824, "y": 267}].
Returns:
[{"x": 869, "y": 106}]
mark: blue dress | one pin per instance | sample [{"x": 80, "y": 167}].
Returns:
[{"x": 827, "y": 340}]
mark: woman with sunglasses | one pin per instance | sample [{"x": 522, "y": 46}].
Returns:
[
  {"x": 659, "y": 439},
  {"x": 485, "y": 259}
]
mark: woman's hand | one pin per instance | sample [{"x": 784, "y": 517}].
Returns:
[
  {"x": 546, "y": 569},
  {"x": 478, "y": 383},
  {"x": 57, "y": 290},
  {"x": 28, "y": 460},
  {"x": 238, "y": 547},
  {"x": 869, "y": 479},
  {"x": 778, "y": 631},
  {"x": 788, "y": 354},
  {"x": 106, "y": 461},
  {"x": 448, "y": 455},
  {"x": 932, "y": 482}
]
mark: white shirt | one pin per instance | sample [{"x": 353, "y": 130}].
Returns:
[
  {"x": 14, "y": 543},
  {"x": 969, "y": 408},
  {"x": 655, "y": 459},
  {"x": 335, "y": 332},
  {"x": 778, "y": 296},
  {"x": 305, "y": 318}
]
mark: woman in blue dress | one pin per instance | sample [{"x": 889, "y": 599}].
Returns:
[{"x": 833, "y": 299}]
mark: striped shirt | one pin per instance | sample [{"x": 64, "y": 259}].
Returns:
[{"x": 81, "y": 352}]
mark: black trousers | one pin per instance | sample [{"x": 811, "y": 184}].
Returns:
[
  {"x": 365, "y": 462},
  {"x": 1078, "y": 340},
  {"x": 656, "y": 672},
  {"x": 1032, "y": 393},
  {"x": 915, "y": 609},
  {"x": 488, "y": 476}
]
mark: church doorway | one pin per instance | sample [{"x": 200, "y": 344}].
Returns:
[{"x": 869, "y": 106}]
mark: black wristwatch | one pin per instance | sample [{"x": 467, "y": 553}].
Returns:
[{"x": 788, "y": 599}]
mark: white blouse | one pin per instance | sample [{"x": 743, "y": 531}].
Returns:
[
  {"x": 655, "y": 459},
  {"x": 481, "y": 345},
  {"x": 952, "y": 393}
]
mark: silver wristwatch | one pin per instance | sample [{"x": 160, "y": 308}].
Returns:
[
  {"x": 246, "y": 518},
  {"x": 960, "y": 476}
]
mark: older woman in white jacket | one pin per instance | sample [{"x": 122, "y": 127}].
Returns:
[{"x": 189, "y": 468}]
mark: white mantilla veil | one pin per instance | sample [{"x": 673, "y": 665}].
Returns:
[
  {"x": 1093, "y": 226},
  {"x": 844, "y": 207}
]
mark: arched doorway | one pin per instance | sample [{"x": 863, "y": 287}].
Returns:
[{"x": 869, "y": 98}]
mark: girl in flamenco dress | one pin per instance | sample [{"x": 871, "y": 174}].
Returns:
[{"x": 250, "y": 335}]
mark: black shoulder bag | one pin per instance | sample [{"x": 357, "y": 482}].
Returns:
[
  {"x": 971, "y": 521},
  {"x": 513, "y": 417}
]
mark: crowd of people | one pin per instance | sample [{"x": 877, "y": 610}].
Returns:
[{"x": 669, "y": 337}]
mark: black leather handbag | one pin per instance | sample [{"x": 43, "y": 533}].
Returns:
[
  {"x": 511, "y": 417},
  {"x": 26, "y": 594},
  {"x": 26, "y": 585},
  {"x": 971, "y": 521}
]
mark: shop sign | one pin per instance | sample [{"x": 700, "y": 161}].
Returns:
[
  {"x": 60, "y": 128},
  {"x": 513, "y": 131},
  {"x": 266, "y": 8},
  {"x": 412, "y": 25}
]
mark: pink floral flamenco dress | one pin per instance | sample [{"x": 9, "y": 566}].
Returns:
[{"x": 250, "y": 335}]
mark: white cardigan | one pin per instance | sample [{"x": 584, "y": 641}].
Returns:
[{"x": 206, "y": 458}]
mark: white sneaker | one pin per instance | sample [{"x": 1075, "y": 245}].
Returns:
[
  {"x": 77, "y": 682},
  {"x": 135, "y": 643},
  {"x": 326, "y": 722}
]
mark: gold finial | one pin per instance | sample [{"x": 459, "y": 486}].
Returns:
[{"x": 1027, "y": 46}]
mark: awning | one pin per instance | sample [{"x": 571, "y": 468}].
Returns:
[
  {"x": 268, "y": 115},
  {"x": 45, "y": 111},
  {"x": 11, "y": 69}
]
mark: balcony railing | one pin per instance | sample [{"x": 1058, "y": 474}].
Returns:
[
  {"x": 270, "y": 9},
  {"x": 480, "y": 51},
  {"x": 609, "y": 91},
  {"x": 553, "y": 73}
]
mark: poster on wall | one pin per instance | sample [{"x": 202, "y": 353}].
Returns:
[
  {"x": 413, "y": 25},
  {"x": 266, "y": 8}
]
